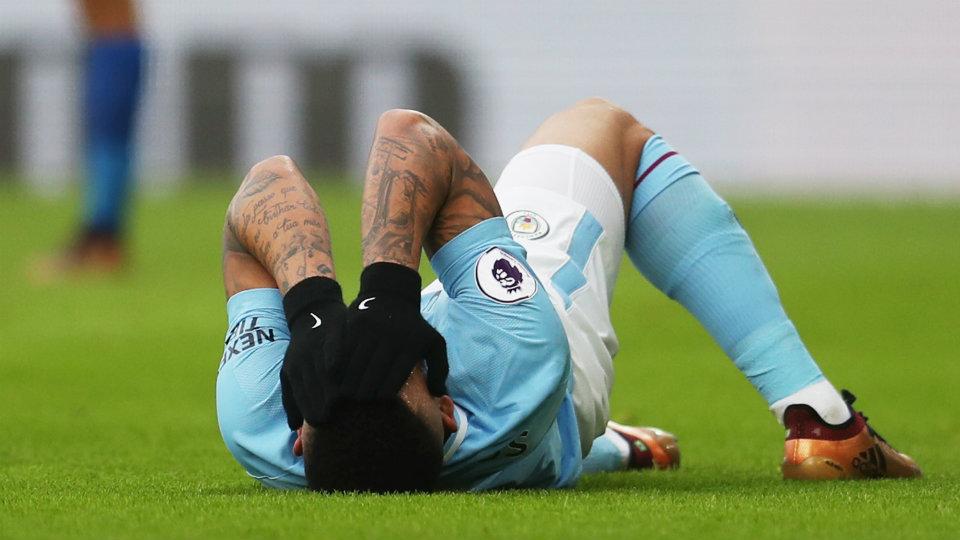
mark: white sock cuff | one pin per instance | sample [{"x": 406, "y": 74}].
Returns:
[
  {"x": 620, "y": 444},
  {"x": 824, "y": 399}
]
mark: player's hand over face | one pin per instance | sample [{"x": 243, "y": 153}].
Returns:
[
  {"x": 386, "y": 336},
  {"x": 316, "y": 316}
]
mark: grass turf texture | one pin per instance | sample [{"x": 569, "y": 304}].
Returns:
[{"x": 108, "y": 427}]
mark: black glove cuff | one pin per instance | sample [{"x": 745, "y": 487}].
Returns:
[
  {"x": 310, "y": 292},
  {"x": 393, "y": 279}
]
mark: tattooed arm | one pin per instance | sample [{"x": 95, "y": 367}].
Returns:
[
  {"x": 275, "y": 234},
  {"x": 422, "y": 189}
]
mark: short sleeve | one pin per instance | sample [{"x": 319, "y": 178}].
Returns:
[
  {"x": 249, "y": 409},
  {"x": 487, "y": 259}
]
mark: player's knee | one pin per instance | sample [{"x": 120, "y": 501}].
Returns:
[
  {"x": 607, "y": 108},
  {"x": 630, "y": 134},
  {"x": 610, "y": 113},
  {"x": 596, "y": 101}
]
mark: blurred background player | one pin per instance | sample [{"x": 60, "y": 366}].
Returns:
[{"x": 113, "y": 76}]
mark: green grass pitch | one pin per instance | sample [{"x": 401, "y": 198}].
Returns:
[{"x": 108, "y": 427}]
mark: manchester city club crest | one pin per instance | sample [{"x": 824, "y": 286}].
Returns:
[
  {"x": 527, "y": 225},
  {"x": 503, "y": 278}
]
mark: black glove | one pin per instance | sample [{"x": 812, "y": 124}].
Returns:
[
  {"x": 315, "y": 315},
  {"x": 386, "y": 336}
]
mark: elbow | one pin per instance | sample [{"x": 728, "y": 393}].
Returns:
[
  {"x": 278, "y": 166},
  {"x": 421, "y": 135},
  {"x": 402, "y": 119},
  {"x": 407, "y": 123},
  {"x": 259, "y": 176}
]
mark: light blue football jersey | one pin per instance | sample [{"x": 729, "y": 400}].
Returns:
[
  {"x": 510, "y": 373},
  {"x": 249, "y": 409}
]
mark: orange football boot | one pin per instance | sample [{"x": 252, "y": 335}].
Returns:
[
  {"x": 816, "y": 450},
  {"x": 650, "y": 447}
]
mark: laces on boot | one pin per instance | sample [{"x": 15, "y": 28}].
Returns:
[{"x": 849, "y": 398}]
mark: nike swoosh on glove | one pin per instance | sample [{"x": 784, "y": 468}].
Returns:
[{"x": 386, "y": 336}]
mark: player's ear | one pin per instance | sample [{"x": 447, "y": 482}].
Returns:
[
  {"x": 298, "y": 444},
  {"x": 445, "y": 403}
]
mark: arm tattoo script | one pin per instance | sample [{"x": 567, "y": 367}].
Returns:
[
  {"x": 421, "y": 190},
  {"x": 276, "y": 217},
  {"x": 395, "y": 187}
]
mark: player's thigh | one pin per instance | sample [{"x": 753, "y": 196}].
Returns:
[{"x": 604, "y": 131}]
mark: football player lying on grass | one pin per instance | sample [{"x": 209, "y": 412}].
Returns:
[{"x": 499, "y": 373}]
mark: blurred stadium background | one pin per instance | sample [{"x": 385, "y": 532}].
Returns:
[
  {"x": 854, "y": 96},
  {"x": 107, "y": 420}
]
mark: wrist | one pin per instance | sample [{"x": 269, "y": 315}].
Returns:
[
  {"x": 308, "y": 294},
  {"x": 391, "y": 279}
]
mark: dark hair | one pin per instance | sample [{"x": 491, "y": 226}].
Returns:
[{"x": 378, "y": 446}]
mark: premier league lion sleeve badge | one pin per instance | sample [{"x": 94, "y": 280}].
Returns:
[{"x": 503, "y": 278}]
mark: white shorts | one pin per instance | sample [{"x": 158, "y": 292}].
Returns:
[{"x": 562, "y": 206}]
